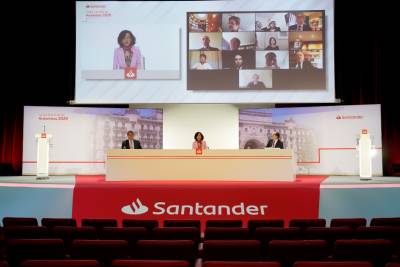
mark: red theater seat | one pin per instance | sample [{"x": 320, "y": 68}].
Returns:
[
  {"x": 130, "y": 234},
  {"x": 19, "y": 221},
  {"x": 379, "y": 232},
  {"x": 305, "y": 223},
  {"x": 52, "y": 222},
  {"x": 354, "y": 223},
  {"x": 176, "y": 233},
  {"x": 25, "y": 232},
  {"x": 3, "y": 264},
  {"x": 60, "y": 263},
  {"x": 253, "y": 224},
  {"x": 393, "y": 264},
  {"x": 32, "y": 249},
  {"x": 385, "y": 222},
  {"x": 330, "y": 235},
  {"x": 182, "y": 223},
  {"x": 184, "y": 250},
  {"x": 103, "y": 251},
  {"x": 70, "y": 233},
  {"x": 148, "y": 224},
  {"x": 289, "y": 251},
  {"x": 332, "y": 264},
  {"x": 149, "y": 263},
  {"x": 377, "y": 251},
  {"x": 226, "y": 233},
  {"x": 266, "y": 234},
  {"x": 232, "y": 250},
  {"x": 224, "y": 223},
  {"x": 240, "y": 264},
  {"x": 100, "y": 223}
]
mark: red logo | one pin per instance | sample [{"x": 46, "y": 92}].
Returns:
[
  {"x": 130, "y": 73},
  {"x": 199, "y": 151}
]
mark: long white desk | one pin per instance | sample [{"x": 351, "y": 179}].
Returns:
[{"x": 212, "y": 165}]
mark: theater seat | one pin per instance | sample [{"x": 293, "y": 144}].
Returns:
[
  {"x": 332, "y": 264},
  {"x": 182, "y": 223},
  {"x": 19, "y": 221},
  {"x": 305, "y": 223},
  {"x": 149, "y": 263},
  {"x": 60, "y": 263},
  {"x": 354, "y": 223},
  {"x": 240, "y": 264},
  {"x": 254, "y": 224},
  {"x": 385, "y": 221},
  {"x": 52, "y": 222},
  {"x": 148, "y": 224},
  {"x": 232, "y": 250},
  {"x": 224, "y": 223}
]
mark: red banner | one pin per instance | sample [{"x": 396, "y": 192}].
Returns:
[{"x": 197, "y": 200}]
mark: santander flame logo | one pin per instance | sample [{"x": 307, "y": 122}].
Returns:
[{"x": 135, "y": 208}]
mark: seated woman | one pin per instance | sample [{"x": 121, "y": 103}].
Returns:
[
  {"x": 199, "y": 141},
  {"x": 271, "y": 27}
]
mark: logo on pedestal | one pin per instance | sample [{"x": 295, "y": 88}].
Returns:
[
  {"x": 199, "y": 151},
  {"x": 130, "y": 73}
]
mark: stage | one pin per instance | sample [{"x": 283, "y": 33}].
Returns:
[{"x": 93, "y": 197}]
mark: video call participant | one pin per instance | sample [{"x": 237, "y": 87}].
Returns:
[
  {"x": 271, "y": 61},
  {"x": 300, "y": 25},
  {"x": 131, "y": 143},
  {"x": 302, "y": 63},
  {"x": 271, "y": 27},
  {"x": 199, "y": 141},
  {"x": 127, "y": 54},
  {"x": 256, "y": 83},
  {"x": 202, "y": 65},
  {"x": 234, "y": 24},
  {"x": 272, "y": 44},
  {"x": 206, "y": 44},
  {"x": 275, "y": 142}
]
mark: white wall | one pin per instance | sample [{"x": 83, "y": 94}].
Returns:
[{"x": 218, "y": 123}]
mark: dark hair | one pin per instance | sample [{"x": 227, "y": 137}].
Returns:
[
  {"x": 122, "y": 35},
  {"x": 130, "y": 132},
  {"x": 203, "y": 55},
  {"x": 197, "y": 133},
  {"x": 235, "y": 19},
  {"x": 235, "y": 39},
  {"x": 270, "y": 57},
  {"x": 277, "y": 135},
  {"x": 271, "y": 39}
]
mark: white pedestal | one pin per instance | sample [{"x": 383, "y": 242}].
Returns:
[
  {"x": 42, "y": 155},
  {"x": 364, "y": 150}
]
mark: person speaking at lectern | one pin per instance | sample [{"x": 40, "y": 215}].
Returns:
[
  {"x": 131, "y": 143},
  {"x": 275, "y": 142},
  {"x": 199, "y": 141}
]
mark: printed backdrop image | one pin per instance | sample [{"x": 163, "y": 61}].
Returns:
[
  {"x": 324, "y": 139},
  {"x": 81, "y": 137}
]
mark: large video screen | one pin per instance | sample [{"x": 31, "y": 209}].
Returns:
[
  {"x": 254, "y": 51},
  {"x": 235, "y": 51}
]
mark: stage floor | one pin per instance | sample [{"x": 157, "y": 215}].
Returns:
[
  {"x": 308, "y": 197},
  {"x": 71, "y": 180}
]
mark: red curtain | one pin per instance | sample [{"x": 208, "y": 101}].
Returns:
[{"x": 11, "y": 131}]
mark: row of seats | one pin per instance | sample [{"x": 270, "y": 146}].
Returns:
[
  {"x": 150, "y": 224},
  {"x": 265, "y": 234},
  {"x": 160, "y": 263},
  {"x": 378, "y": 251}
]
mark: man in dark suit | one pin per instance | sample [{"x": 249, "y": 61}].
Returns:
[
  {"x": 275, "y": 142},
  {"x": 130, "y": 143},
  {"x": 301, "y": 63},
  {"x": 300, "y": 25}
]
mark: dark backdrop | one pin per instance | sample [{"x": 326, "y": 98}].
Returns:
[{"x": 39, "y": 50}]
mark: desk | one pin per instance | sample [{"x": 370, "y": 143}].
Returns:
[{"x": 212, "y": 165}]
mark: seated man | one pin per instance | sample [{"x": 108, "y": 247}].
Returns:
[
  {"x": 275, "y": 142},
  {"x": 130, "y": 143}
]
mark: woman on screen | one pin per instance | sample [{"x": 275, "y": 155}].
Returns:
[
  {"x": 127, "y": 54},
  {"x": 271, "y": 61},
  {"x": 272, "y": 44},
  {"x": 199, "y": 141}
]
